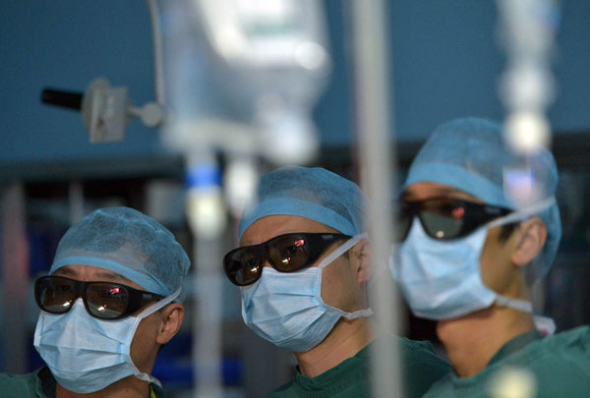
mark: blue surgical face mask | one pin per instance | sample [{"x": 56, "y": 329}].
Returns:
[
  {"x": 287, "y": 309},
  {"x": 442, "y": 279},
  {"x": 86, "y": 354}
]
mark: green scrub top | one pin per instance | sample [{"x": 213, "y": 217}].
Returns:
[
  {"x": 559, "y": 366},
  {"x": 420, "y": 365},
  {"x": 41, "y": 384}
]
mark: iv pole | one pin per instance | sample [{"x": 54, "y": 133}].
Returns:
[{"x": 378, "y": 168}]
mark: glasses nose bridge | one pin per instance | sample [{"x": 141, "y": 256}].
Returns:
[
  {"x": 262, "y": 251},
  {"x": 409, "y": 210},
  {"x": 415, "y": 209},
  {"x": 80, "y": 290},
  {"x": 406, "y": 217},
  {"x": 417, "y": 213}
]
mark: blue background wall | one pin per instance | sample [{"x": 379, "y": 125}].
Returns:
[
  {"x": 66, "y": 44},
  {"x": 446, "y": 63}
]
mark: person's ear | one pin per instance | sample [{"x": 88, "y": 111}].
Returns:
[
  {"x": 172, "y": 317},
  {"x": 363, "y": 257},
  {"x": 531, "y": 240}
]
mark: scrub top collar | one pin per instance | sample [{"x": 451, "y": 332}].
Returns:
[{"x": 515, "y": 345}]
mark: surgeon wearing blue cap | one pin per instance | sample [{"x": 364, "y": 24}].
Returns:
[
  {"x": 470, "y": 250},
  {"x": 109, "y": 303},
  {"x": 303, "y": 265}
]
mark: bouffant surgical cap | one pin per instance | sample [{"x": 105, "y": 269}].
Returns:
[
  {"x": 313, "y": 193},
  {"x": 129, "y": 243},
  {"x": 469, "y": 154}
]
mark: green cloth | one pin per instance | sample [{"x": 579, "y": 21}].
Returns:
[
  {"x": 560, "y": 366},
  {"x": 421, "y": 368},
  {"x": 40, "y": 384}
]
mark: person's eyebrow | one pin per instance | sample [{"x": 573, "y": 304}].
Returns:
[
  {"x": 111, "y": 277},
  {"x": 105, "y": 275},
  {"x": 64, "y": 271},
  {"x": 442, "y": 191}
]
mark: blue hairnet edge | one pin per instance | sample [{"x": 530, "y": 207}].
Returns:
[
  {"x": 300, "y": 208},
  {"x": 149, "y": 284},
  {"x": 461, "y": 179}
]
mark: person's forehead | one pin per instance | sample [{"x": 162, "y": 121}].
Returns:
[
  {"x": 88, "y": 273},
  {"x": 428, "y": 190},
  {"x": 269, "y": 227}
]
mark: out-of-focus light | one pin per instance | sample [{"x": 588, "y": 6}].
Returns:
[
  {"x": 527, "y": 132},
  {"x": 290, "y": 139},
  {"x": 519, "y": 183},
  {"x": 240, "y": 181},
  {"x": 513, "y": 383},
  {"x": 231, "y": 42},
  {"x": 205, "y": 208},
  {"x": 206, "y": 213},
  {"x": 525, "y": 85},
  {"x": 311, "y": 55},
  {"x": 257, "y": 12}
]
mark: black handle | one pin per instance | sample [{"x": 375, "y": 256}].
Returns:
[{"x": 61, "y": 98}]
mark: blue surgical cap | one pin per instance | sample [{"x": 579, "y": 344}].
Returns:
[
  {"x": 129, "y": 243},
  {"x": 469, "y": 154},
  {"x": 313, "y": 193}
]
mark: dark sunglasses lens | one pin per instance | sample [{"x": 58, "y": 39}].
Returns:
[
  {"x": 443, "y": 220},
  {"x": 441, "y": 227},
  {"x": 55, "y": 295},
  {"x": 289, "y": 253},
  {"x": 243, "y": 267},
  {"x": 107, "y": 300}
]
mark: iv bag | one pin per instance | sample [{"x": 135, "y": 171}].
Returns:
[{"x": 244, "y": 75}]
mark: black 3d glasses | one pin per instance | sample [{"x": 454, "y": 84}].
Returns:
[
  {"x": 444, "y": 218},
  {"x": 103, "y": 300},
  {"x": 285, "y": 253}
]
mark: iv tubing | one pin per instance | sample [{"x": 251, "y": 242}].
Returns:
[{"x": 158, "y": 50}]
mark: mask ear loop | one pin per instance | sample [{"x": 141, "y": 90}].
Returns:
[
  {"x": 522, "y": 214},
  {"x": 159, "y": 305},
  {"x": 544, "y": 324},
  {"x": 346, "y": 246},
  {"x": 144, "y": 314}
]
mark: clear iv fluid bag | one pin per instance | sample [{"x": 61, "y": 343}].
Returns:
[{"x": 241, "y": 72}]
